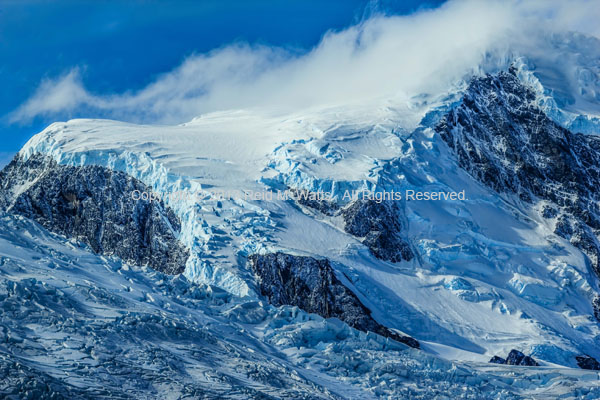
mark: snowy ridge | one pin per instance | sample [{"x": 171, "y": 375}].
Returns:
[{"x": 566, "y": 80}]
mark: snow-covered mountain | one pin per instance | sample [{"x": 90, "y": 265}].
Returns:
[{"x": 308, "y": 296}]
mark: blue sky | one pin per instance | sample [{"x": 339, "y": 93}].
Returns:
[{"x": 122, "y": 47}]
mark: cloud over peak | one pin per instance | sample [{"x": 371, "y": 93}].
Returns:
[{"x": 381, "y": 57}]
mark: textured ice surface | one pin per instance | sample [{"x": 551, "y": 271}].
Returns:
[
  {"x": 489, "y": 274},
  {"x": 78, "y": 325},
  {"x": 453, "y": 239}
]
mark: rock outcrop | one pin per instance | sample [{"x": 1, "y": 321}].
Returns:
[
  {"x": 311, "y": 285},
  {"x": 515, "y": 357},
  {"x": 378, "y": 223},
  {"x": 315, "y": 201},
  {"x": 498, "y": 360},
  {"x": 587, "y": 362},
  {"x": 95, "y": 205},
  {"x": 503, "y": 138}
]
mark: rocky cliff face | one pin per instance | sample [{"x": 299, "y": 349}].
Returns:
[
  {"x": 379, "y": 224},
  {"x": 311, "y": 285},
  {"x": 94, "y": 205},
  {"x": 503, "y": 139}
]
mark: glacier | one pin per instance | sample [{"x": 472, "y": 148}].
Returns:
[
  {"x": 489, "y": 274},
  {"x": 78, "y": 325}
]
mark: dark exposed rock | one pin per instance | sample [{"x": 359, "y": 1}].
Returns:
[
  {"x": 549, "y": 212},
  {"x": 311, "y": 285},
  {"x": 505, "y": 140},
  {"x": 379, "y": 224},
  {"x": 94, "y": 204},
  {"x": 596, "y": 307},
  {"x": 498, "y": 360},
  {"x": 515, "y": 357},
  {"x": 587, "y": 362},
  {"x": 316, "y": 201}
]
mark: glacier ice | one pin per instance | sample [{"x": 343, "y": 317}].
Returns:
[{"x": 475, "y": 288}]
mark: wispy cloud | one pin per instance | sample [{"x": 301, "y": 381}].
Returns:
[
  {"x": 381, "y": 56},
  {"x": 53, "y": 96}
]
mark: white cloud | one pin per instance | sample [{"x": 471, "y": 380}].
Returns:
[
  {"x": 381, "y": 57},
  {"x": 53, "y": 96}
]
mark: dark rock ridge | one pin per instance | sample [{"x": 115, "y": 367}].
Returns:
[
  {"x": 503, "y": 139},
  {"x": 311, "y": 285},
  {"x": 498, "y": 360},
  {"x": 94, "y": 204},
  {"x": 587, "y": 362},
  {"x": 378, "y": 224},
  {"x": 515, "y": 357},
  {"x": 596, "y": 307}
]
